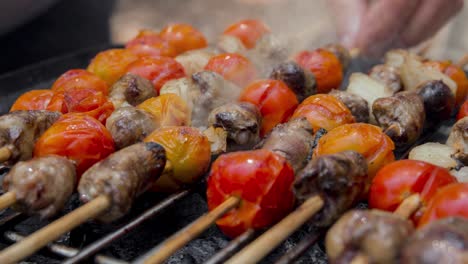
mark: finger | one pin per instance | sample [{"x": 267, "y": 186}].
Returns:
[
  {"x": 430, "y": 17},
  {"x": 347, "y": 15}
]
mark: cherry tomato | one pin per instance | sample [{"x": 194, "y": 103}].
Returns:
[
  {"x": 248, "y": 31},
  {"x": 261, "y": 178},
  {"x": 189, "y": 153},
  {"x": 324, "y": 111},
  {"x": 456, "y": 74},
  {"x": 80, "y": 79},
  {"x": 274, "y": 99},
  {"x": 398, "y": 180},
  {"x": 167, "y": 110},
  {"x": 366, "y": 139},
  {"x": 325, "y": 66},
  {"x": 110, "y": 65},
  {"x": 183, "y": 37},
  {"x": 233, "y": 67},
  {"x": 78, "y": 137},
  {"x": 451, "y": 200},
  {"x": 150, "y": 43},
  {"x": 158, "y": 70},
  {"x": 87, "y": 101},
  {"x": 463, "y": 111},
  {"x": 33, "y": 100}
]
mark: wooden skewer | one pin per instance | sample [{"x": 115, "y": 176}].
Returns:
[
  {"x": 7, "y": 199},
  {"x": 179, "y": 239},
  {"x": 360, "y": 259},
  {"x": 54, "y": 230},
  {"x": 5, "y": 154},
  {"x": 260, "y": 247}
]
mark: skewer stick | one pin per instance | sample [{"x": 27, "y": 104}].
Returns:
[
  {"x": 409, "y": 206},
  {"x": 54, "y": 230},
  {"x": 360, "y": 259},
  {"x": 260, "y": 247},
  {"x": 7, "y": 199},
  {"x": 179, "y": 239},
  {"x": 463, "y": 61},
  {"x": 5, "y": 154}
]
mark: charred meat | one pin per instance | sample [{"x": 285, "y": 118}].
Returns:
[
  {"x": 300, "y": 81},
  {"x": 458, "y": 140},
  {"x": 132, "y": 89},
  {"x": 438, "y": 99},
  {"x": 355, "y": 103},
  {"x": 388, "y": 76}
]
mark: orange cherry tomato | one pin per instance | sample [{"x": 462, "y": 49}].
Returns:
[
  {"x": 274, "y": 99},
  {"x": 78, "y": 137},
  {"x": 110, "y": 65},
  {"x": 325, "y": 66},
  {"x": 324, "y": 111},
  {"x": 456, "y": 74},
  {"x": 366, "y": 139},
  {"x": 463, "y": 111},
  {"x": 451, "y": 200},
  {"x": 248, "y": 31},
  {"x": 233, "y": 67},
  {"x": 80, "y": 79},
  {"x": 167, "y": 110},
  {"x": 150, "y": 43},
  {"x": 158, "y": 70},
  {"x": 398, "y": 180},
  {"x": 87, "y": 101},
  {"x": 183, "y": 37},
  {"x": 261, "y": 178},
  {"x": 33, "y": 100}
]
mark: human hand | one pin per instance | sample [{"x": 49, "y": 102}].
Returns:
[{"x": 376, "y": 26}]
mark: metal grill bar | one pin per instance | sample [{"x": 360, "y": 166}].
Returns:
[{"x": 233, "y": 246}]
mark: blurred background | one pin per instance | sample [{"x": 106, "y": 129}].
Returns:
[{"x": 34, "y": 30}]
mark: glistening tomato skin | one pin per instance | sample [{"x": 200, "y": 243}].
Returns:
[
  {"x": 80, "y": 79},
  {"x": 248, "y": 31},
  {"x": 400, "y": 179},
  {"x": 33, "y": 100},
  {"x": 78, "y": 137},
  {"x": 233, "y": 67},
  {"x": 274, "y": 99},
  {"x": 262, "y": 179},
  {"x": 183, "y": 37},
  {"x": 463, "y": 111},
  {"x": 110, "y": 65},
  {"x": 451, "y": 200},
  {"x": 150, "y": 44}
]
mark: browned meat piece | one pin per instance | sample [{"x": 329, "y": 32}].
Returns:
[
  {"x": 19, "y": 131},
  {"x": 241, "y": 121},
  {"x": 458, "y": 140},
  {"x": 401, "y": 116},
  {"x": 443, "y": 241},
  {"x": 132, "y": 89},
  {"x": 355, "y": 103},
  {"x": 292, "y": 140},
  {"x": 123, "y": 176},
  {"x": 388, "y": 76},
  {"x": 338, "y": 178},
  {"x": 378, "y": 235},
  {"x": 129, "y": 125},
  {"x": 438, "y": 99},
  {"x": 341, "y": 53},
  {"x": 300, "y": 81},
  {"x": 41, "y": 185}
]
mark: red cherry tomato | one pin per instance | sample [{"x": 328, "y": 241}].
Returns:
[
  {"x": 150, "y": 43},
  {"x": 325, "y": 66},
  {"x": 158, "y": 70},
  {"x": 262, "y": 179},
  {"x": 80, "y": 79},
  {"x": 324, "y": 111},
  {"x": 463, "y": 111},
  {"x": 248, "y": 31},
  {"x": 183, "y": 37},
  {"x": 451, "y": 200},
  {"x": 274, "y": 99},
  {"x": 110, "y": 65},
  {"x": 78, "y": 137},
  {"x": 400, "y": 179},
  {"x": 233, "y": 67},
  {"x": 33, "y": 100}
]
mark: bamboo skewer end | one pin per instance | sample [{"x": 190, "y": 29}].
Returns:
[
  {"x": 409, "y": 206},
  {"x": 5, "y": 154},
  {"x": 7, "y": 200}
]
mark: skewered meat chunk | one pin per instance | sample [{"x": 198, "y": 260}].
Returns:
[
  {"x": 388, "y": 76},
  {"x": 378, "y": 235},
  {"x": 19, "y": 130},
  {"x": 355, "y": 103},
  {"x": 300, "y": 81},
  {"x": 41, "y": 185},
  {"x": 338, "y": 178},
  {"x": 241, "y": 121},
  {"x": 129, "y": 125},
  {"x": 401, "y": 116},
  {"x": 122, "y": 176},
  {"x": 292, "y": 140},
  {"x": 132, "y": 89},
  {"x": 458, "y": 140},
  {"x": 443, "y": 241},
  {"x": 195, "y": 60},
  {"x": 438, "y": 99}
]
